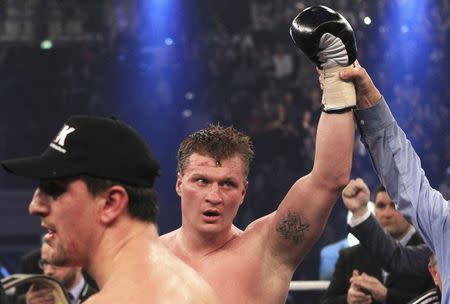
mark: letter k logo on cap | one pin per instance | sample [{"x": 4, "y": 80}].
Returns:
[
  {"x": 61, "y": 137},
  {"x": 58, "y": 142}
]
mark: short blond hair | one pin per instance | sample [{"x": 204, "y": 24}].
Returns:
[{"x": 218, "y": 142}]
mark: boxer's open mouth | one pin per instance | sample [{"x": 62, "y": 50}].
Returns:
[{"x": 211, "y": 213}]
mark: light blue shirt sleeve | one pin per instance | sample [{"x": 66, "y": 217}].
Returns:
[{"x": 400, "y": 171}]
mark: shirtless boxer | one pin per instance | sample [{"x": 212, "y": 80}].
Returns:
[{"x": 256, "y": 265}]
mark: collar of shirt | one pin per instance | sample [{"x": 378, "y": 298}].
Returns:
[
  {"x": 405, "y": 239},
  {"x": 75, "y": 291}
]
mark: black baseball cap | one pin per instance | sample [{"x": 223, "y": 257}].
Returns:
[{"x": 96, "y": 146}]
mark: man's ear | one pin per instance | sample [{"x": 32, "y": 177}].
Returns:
[
  {"x": 178, "y": 183},
  {"x": 244, "y": 191},
  {"x": 116, "y": 203}
]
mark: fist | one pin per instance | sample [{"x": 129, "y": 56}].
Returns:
[{"x": 356, "y": 196}]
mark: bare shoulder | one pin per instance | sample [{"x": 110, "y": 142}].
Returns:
[
  {"x": 259, "y": 223},
  {"x": 169, "y": 235},
  {"x": 181, "y": 282},
  {"x": 255, "y": 233},
  {"x": 169, "y": 238},
  {"x": 160, "y": 278}
]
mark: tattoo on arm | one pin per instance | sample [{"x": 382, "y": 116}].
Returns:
[{"x": 291, "y": 228}]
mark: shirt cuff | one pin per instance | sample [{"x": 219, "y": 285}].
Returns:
[
  {"x": 375, "y": 118},
  {"x": 356, "y": 221}
]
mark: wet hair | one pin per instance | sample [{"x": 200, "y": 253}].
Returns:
[
  {"x": 142, "y": 201},
  {"x": 218, "y": 142}
]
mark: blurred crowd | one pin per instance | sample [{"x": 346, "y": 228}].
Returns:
[{"x": 238, "y": 66}]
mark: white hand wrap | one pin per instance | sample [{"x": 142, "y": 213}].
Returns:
[{"x": 338, "y": 95}]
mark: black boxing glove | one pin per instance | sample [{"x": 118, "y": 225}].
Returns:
[{"x": 327, "y": 38}]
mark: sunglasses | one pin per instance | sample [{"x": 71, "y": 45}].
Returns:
[{"x": 55, "y": 187}]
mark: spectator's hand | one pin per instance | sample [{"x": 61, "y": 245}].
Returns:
[
  {"x": 355, "y": 295},
  {"x": 40, "y": 295},
  {"x": 370, "y": 285},
  {"x": 356, "y": 196},
  {"x": 367, "y": 95}
]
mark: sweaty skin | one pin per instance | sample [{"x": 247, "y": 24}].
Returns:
[{"x": 158, "y": 276}]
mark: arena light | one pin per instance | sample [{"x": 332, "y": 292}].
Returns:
[
  {"x": 46, "y": 44},
  {"x": 159, "y": 24},
  {"x": 367, "y": 20},
  {"x": 189, "y": 95},
  {"x": 187, "y": 113},
  {"x": 299, "y": 6},
  {"x": 168, "y": 41},
  {"x": 404, "y": 29}
]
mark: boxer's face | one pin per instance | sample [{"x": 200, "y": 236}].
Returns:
[
  {"x": 211, "y": 192},
  {"x": 67, "y": 213}
]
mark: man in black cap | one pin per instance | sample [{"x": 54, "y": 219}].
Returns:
[{"x": 96, "y": 200}]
